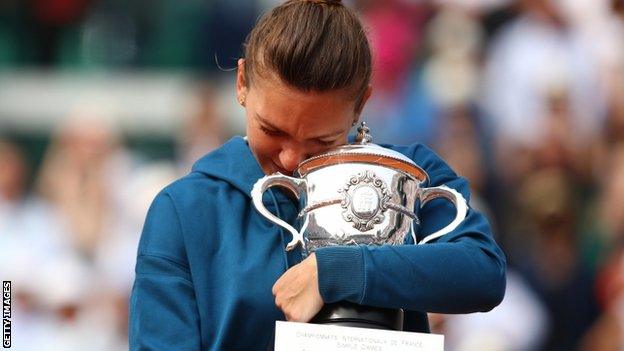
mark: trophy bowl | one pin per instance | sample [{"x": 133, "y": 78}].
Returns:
[{"x": 358, "y": 194}]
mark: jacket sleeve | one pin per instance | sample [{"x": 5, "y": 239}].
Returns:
[
  {"x": 163, "y": 310},
  {"x": 460, "y": 272}
]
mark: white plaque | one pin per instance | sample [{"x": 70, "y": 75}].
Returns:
[{"x": 291, "y": 336}]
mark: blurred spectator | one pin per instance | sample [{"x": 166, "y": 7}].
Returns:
[
  {"x": 608, "y": 331},
  {"x": 100, "y": 196},
  {"x": 538, "y": 52},
  {"x": 203, "y": 131},
  {"x": 519, "y": 323},
  {"x": 13, "y": 173},
  {"x": 395, "y": 32},
  {"x": 613, "y": 127},
  {"x": 29, "y": 233},
  {"x": 27, "y": 225},
  {"x": 109, "y": 37},
  {"x": 101, "y": 193},
  {"x": 434, "y": 85},
  {"x": 464, "y": 144},
  {"x": 76, "y": 177},
  {"x": 551, "y": 261}
]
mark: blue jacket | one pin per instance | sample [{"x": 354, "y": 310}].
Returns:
[{"x": 207, "y": 260}]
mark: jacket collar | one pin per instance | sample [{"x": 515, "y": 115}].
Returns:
[{"x": 233, "y": 162}]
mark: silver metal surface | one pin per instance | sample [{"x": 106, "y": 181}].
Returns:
[
  {"x": 363, "y": 136},
  {"x": 295, "y": 185},
  {"x": 358, "y": 203}
]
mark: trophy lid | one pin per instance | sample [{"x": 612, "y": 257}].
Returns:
[{"x": 363, "y": 151}]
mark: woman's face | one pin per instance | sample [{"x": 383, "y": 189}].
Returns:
[{"x": 286, "y": 125}]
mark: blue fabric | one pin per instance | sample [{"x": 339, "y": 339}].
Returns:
[{"x": 207, "y": 260}]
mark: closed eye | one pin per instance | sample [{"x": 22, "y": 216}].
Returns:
[
  {"x": 271, "y": 132},
  {"x": 326, "y": 142}
]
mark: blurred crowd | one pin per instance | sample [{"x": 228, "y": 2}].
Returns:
[{"x": 524, "y": 98}]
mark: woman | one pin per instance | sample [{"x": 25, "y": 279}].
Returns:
[{"x": 212, "y": 273}]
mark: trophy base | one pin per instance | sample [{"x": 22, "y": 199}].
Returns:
[{"x": 348, "y": 314}]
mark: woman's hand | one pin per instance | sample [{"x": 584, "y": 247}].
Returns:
[{"x": 297, "y": 293}]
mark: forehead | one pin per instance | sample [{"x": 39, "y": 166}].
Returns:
[{"x": 282, "y": 103}]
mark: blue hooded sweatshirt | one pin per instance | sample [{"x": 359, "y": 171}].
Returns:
[{"x": 207, "y": 260}]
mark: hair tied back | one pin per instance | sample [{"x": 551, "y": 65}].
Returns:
[{"x": 325, "y": 2}]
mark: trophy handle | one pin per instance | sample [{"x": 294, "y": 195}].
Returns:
[
  {"x": 295, "y": 185},
  {"x": 452, "y": 195}
]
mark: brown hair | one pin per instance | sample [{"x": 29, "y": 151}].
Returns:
[{"x": 313, "y": 45}]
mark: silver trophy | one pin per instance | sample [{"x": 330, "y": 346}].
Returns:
[{"x": 358, "y": 194}]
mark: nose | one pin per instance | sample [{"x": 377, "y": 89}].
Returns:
[{"x": 291, "y": 156}]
